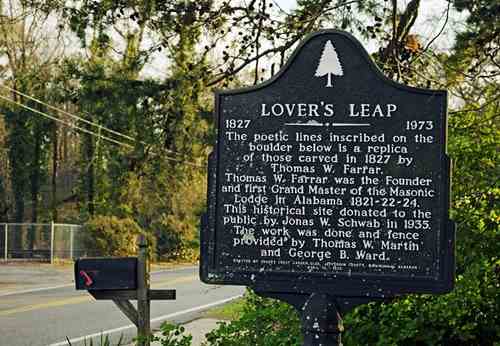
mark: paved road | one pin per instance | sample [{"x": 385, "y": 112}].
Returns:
[{"x": 47, "y": 317}]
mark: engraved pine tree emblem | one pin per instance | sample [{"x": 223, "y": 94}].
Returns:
[{"x": 329, "y": 64}]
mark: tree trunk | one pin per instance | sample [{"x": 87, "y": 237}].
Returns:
[
  {"x": 90, "y": 179},
  {"x": 55, "y": 158},
  {"x": 35, "y": 185},
  {"x": 35, "y": 178},
  {"x": 4, "y": 206},
  {"x": 17, "y": 156}
]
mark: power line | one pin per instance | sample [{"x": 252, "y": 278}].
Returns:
[
  {"x": 100, "y": 127},
  {"x": 67, "y": 113},
  {"x": 91, "y": 132},
  {"x": 65, "y": 123}
]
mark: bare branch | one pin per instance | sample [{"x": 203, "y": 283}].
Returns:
[{"x": 442, "y": 28}]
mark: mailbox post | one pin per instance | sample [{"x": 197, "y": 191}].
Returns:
[
  {"x": 143, "y": 303},
  {"x": 122, "y": 280}
]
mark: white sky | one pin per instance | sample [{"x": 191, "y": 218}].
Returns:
[{"x": 429, "y": 22}]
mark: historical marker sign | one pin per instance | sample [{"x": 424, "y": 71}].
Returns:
[{"x": 330, "y": 178}]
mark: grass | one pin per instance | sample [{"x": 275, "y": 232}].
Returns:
[
  {"x": 227, "y": 312},
  {"x": 104, "y": 341},
  {"x": 172, "y": 264}
]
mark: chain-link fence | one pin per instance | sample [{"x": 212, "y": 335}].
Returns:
[{"x": 41, "y": 241}]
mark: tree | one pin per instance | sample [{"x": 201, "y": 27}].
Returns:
[
  {"x": 4, "y": 167},
  {"x": 329, "y": 64},
  {"x": 24, "y": 43}
]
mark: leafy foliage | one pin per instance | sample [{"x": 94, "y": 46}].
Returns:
[
  {"x": 172, "y": 335},
  {"x": 467, "y": 316},
  {"x": 262, "y": 322},
  {"x": 111, "y": 236}
]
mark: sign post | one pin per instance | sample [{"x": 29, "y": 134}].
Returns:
[{"x": 329, "y": 187}]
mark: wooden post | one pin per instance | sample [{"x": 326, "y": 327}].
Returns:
[
  {"x": 143, "y": 303},
  {"x": 121, "y": 297}
]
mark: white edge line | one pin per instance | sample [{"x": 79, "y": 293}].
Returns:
[
  {"x": 153, "y": 320},
  {"x": 39, "y": 289}
]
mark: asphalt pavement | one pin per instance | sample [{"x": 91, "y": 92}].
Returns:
[{"x": 48, "y": 309}]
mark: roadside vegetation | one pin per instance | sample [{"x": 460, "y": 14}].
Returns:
[
  {"x": 227, "y": 312},
  {"x": 139, "y": 77}
]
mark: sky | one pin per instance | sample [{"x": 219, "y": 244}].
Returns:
[
  {"x": 428, "y": 24},
  {"x": 431, "y": 12}
]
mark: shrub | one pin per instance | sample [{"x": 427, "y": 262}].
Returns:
[
  {"x": 112, "y": 236},
  {"x": 172, "y": 335},
  {"x": 466, "y": 316},
  {"x": 172, "y": 245},
  {"x": 263, "y": 322}
]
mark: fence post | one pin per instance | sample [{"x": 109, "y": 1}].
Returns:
[
  {"x": 6, "y": 250},
  {"x": 71, "y": 230},
  {"x": 51, "y": 242}
]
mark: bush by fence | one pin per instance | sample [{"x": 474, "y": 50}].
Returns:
[{"x": 113, "y": 236}]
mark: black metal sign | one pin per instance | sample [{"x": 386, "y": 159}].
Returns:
[{"x": 330, "y": 178}]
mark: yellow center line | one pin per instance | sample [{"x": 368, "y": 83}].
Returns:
[
  {"x": 87, "y": 298},
  {"x": 52, "y": 304}
]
